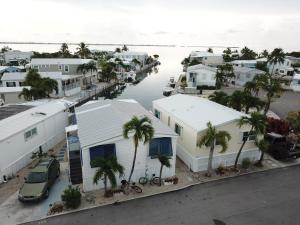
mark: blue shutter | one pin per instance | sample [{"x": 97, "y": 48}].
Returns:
[
  {"x": 102, "y": 151},
  {"x": 161, "y": 146}
]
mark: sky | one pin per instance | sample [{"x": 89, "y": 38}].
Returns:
[{"x": 259, "y": 24}]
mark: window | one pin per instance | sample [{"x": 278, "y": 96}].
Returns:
[
  {"x": 59, "y": 67},
  {"x": 10, "y": 84},
  {"x": 169, "y": 121},
  {"x": 178, "y": 129},
  {"x": 102, "y": 151},
  {"x": 249, "y": 136},
  {"x": 192, "y": 77},
  {"x": 157, "y": 113},
  {"x": 161, "y": 146},
  {"x": 30, "y": 134},
  {"x": 66, "y": 68}
]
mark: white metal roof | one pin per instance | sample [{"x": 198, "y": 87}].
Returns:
[
  {"x": 244, "y": 61},
  {"x": 13, "y": 89},
  {"x": 196, "y": 112},
  {"x": 27, "y": 119},
  {"x": 131, "y": 53},
  {"x": 203, "y": 54},
  {"x": 201, "y": 67},
  {"x": 103, "y": 120},
  {"x": 247, "y": 70},
  {"x": 57, "y": 61}
]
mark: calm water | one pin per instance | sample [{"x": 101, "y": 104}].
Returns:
[{"x": 151, "y": 87}]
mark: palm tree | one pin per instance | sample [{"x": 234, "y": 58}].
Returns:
[
  {"x": 236, "y": 100},
  {"x": 250, "y": 101},
  {"x": 263, "y": 146},
  {"x": 49, "y": 85},
  {"x": 118, "y": 50},
  {"x": 219, "y": 97},
  {"x": 125, "y": 48},
  {"x": 224, "y": 75},
  {"x": 83, "y": 68},
  {"x": 210, "y": 139},
  {"x": 64, "y": 50},
  {"x": 26, "y": 93},
  {"x": 142, "y": 130},
  {"x": 82, "y": 50},
  {"x": 107, "y": 168},
  {"x": 91, "y": 66},
  {"x": 271, "y": 86},
  {"x": 257, "y": 122},
  {"x": 164, "y": 161},
  {"x": 247, "y": 54},
  {"x": 252, "y": 87},
  {"x": 264, "y": 54},
  {"x": 276, "y": 56}
]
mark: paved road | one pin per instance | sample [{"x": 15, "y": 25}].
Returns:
[{"x": 268, "y": 198}]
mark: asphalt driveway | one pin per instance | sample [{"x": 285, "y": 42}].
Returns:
[{"x": 267, "y": 198}]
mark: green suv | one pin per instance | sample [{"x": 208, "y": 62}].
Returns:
[{"x": 39, "y": 180}]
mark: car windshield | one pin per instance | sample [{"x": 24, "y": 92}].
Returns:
[{"x": 36, "y": 177}]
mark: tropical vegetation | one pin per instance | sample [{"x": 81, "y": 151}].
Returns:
[
  {"x": 107, "y": 169},
  {"x": 164, "y": 161},
  {"x": 141, "y": 130},
  {"x": 210, "y": 139}
]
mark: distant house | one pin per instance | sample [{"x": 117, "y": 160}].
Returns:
[
  {"x": 281, "y": 69},
  {"x": 207, "y": 58},
  {"x": 295, "y": 84},
  {"x": 67, "y": 66},
  {"x": 68, "y": 85},
  {"x": 27, "y": 128},
  {"x": 245, "y": 74},
  {"x": 188, "y": 116},
  {"x": 9, "y": 69},
  {"x": 100, "y": 134},
  {"x": 128, "y": 56},
  {"x": 15, "y": 56},
  {"x": 201, "y": 75},
  {"x": 11, "y": 94},
  {"x": 244, "y": 63}
]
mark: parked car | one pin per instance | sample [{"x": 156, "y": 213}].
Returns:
[
  {"x": 280, "y": 148},
  {"x": 39, "y": 180}
]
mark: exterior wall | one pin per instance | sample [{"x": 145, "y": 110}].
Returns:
[
  {"x": 17, "y": 55},
  {"x": 17, "y": 152},
  {"x": 281, "y": 69},
  {"x": 12, "y": 97},
  {"x": 213, "y": 60},
  {"x": 197, "y": 158},
  {"x": 241, "y": 78},
  {"x": 124, "y": 152},
  {"x": 203, "y": 77}
]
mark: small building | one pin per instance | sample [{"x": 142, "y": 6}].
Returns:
[
  {"x": 295, "y": 84},
  {"x": 201, "y": 75},
  {"x": 68, "y": 85},
  {"x": 245, "y": 74},
  {"x": 11, "y": 94},
  {"x": 100, "y": 134},
  {"x": 67, "y": 66},
  {"x": 128, "y": 56},
  {"x": 244, "y": 63},
  {"x": 15, "y": 56},
  {"x": 207, "y": 58},
  {"x": 281, "y": 69},
  {"x": 27, "y": 128},
  {"x": 188, "y": 117}
]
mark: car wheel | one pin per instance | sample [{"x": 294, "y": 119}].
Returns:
[
  {"x": 47, "y": 194},
  {"x": 58, "y": 173}
]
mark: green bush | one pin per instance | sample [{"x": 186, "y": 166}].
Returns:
[
  {"x": 246, "y": 163},
  {"x": 71, "y": 197}
]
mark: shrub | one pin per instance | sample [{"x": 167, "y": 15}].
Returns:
[
  {"x": 221, "y": 169},
  {"x": 71, "y": 197},
  {"x": 56, "y": 208},
  {"x": 277, "y": 126},
  {"x": 246, "y": 163}
]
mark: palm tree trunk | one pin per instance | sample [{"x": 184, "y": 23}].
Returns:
[
  {"x": 261, "y": 157},
  {"x": 133, "y": 163},
  {"x": 210, "y": 159},
  {"x": 240, "y": 150},
  {"x": 105, "y": 184},
  {"x": 160, "y": 173}
]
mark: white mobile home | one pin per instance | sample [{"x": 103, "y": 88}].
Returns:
[
  {"x": 281, "y": 69},
  {"x": 26, "y": 128},
  {"x": 245, "y": 74},
  {"x": 295, "y": 84},
  {"x": 11, "y": 94},
  {"x": 68, "y": 85},
  {"x": 201, "y": 75},
  {"x": 100, "y": 132},
  {"x": 207, "y": 58},
  {"x": 188, "y": 116}
]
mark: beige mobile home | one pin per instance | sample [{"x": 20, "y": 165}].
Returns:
[{"x": 188, "y": 116}]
